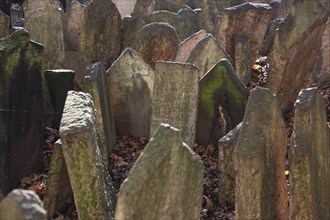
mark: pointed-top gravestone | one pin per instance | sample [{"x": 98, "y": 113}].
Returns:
[
  {"x": 157, "y": 42},
  {"x": 4, "y": 25},
  {"x": 131, "y": 83},
  {"x": 167, "y": 178},
  {"x": 309, "y": 158},
  {"x": 295, "y": 50},
  {"x": 100, "y": 36}
]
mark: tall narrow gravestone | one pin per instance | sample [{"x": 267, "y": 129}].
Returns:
[
  {"x": 167, "y": 178},
  {"x": 175, "y": 98},
  {"x": 21, "y": 108}
]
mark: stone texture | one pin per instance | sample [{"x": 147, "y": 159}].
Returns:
[
  {"x": 241, "y": 19},
  {"x": 259, "y": 159},
  {"x": 167, "y": 178},
  {"x": 77, "y": 62},
  {"x": 243, "y": 60},
  {"x": 100, "y": 36},
  {"x": 96, "y": 84},
  {"x": 131, "y": 86},
  {"x": 45, "y": 21},
  {"x": 21, "y": 101},
  {"x": 22, "y": 204},
  {"x": 143, "y": 8},
  {"x": 221, "y": 103},
  {"x": 16, "y": 15},
  {"x": 295, "y": 50},
  {"x": 157, "y": 42},
  {"x": 169, "y": 5},
  {"x": 4, "y": 25},
  {"x": 91, "y": 184},
  {"x": 130, "y": 28},
  {"x": 175, "y": 98},
  {"x": 58, "y": 190},
  {"x": 210, "y": 15},
  {"x": 309, "y": 158},
  {"x": 268, "y": 42}
]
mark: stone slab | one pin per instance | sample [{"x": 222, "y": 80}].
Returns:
[{"x": 4, "y": 25}]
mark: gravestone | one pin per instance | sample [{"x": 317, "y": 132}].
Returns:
[
  {"x": 130, "y": 28},
  {"x": 58, "y": 190},
  {"x": 268, "y": 42},
  {"x": 143, "y": 8},
  {"x": 131, "y": 83},
  {"x": 46, "y": 22},
  {"x": 77, "y": 62},
  {"x": 241, "y": 19},
  {"x": 226, "y": 167},
  {"x": 21, "y": 101},
  {"x": 22, "y": 204},
  {"x": 243, "y": 60},
  {"x": 96, "y": 84},
  {"x": 221, "y": 103},
  {"x": 169, "y": 5},
  {"x": 4, "y": 25},
  {"x": 167, "y": 178},
  {"x": 175, "y": 98},
  {"x": 295, "y": 50},
  {"x": 16, "y": 15},
  {"x": 259, "y": 160},
  {"x": 210, "y": 15},
  {"x": 90, "y": 181},
  {"x": 157, "y": 42},
  {"x": 100, "y": 36},
  {"x": 309, "y": 158}
]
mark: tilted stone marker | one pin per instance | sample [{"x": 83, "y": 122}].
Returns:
[
  {"x": 309, "y": 158},
  {"x": 4, "y": 25},
  {"x": 91, "y": 183},
  {"x": 295, "y": 50},
  {"x": 259, "y": 159},
  {"x": 21, "y": 101},
  {"x": 243, "y": 60},
  {"x": 22, "y": 204},
  {"x": 167, "y": 178},
  {"x": 131, "y": 86},
  {"x": 221, "y": 103}
]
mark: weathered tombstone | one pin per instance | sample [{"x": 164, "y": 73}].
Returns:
[
  {"x": 295, "y": 50},
  {"x": 130, "y": 27},
  {"x": 309, "y": 158},
  {"x": 58, "y": 190},
  {"x": 21, "y": 101},
  {"x": 45, "y": 21},
  {"x": 175, "y": 98},
  {"x": 143, "y": 8},
  {"x": 226, "y": 167},
  {"x": 77, "y": 62},
  {"x": 59, "y": 82},
  {"x": 125, "y": 8},
  {"x": 241, "y": 19},
  {"x": 131, "y": 87},
  {"x": 22, "y": 204},
  {"x": 96, "y": 84},
  {"x": 169, "y": 5},
  {"x": 4, "y": 25},
  {"x": 221, "y": 103},
  {"x": 90, "y": 181},
  {"x": 269, "y": 39},
  {"x": 100, "y": 37},
  {"x": 259, "y": 160},
  {"x": 167, "y": 178},
  {"x": 243, "y": 60},
  {"x": 157, "y": 42},
  {"x": 211, "y": 10},
  {"x": 16, "y": 15}
]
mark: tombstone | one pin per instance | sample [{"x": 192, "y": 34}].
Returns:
[
  {"x": 125, "y": 8},
  {"x": 45, "y": 22},
  {"x": 21, "y": 101},
  {"x": 243, "y": 61},
  {"x": 100, "y": 37},
  {"x": 130, "y": 28},
  {"x": 131, "y": 83},
  {"x": 59, "y": 82},
  {"x": 295, "y": 50},
  {"x": 221, "y": 103},
  {"x": 241, "y": 19},
  {"x": 58, "y": 190},
  {"x": 22, "y": 204},
  {"x": 96, "y": 84},
  {"x": 309, "y": 158},
  {"x": 170, "y": 5},
  {"x": 167, "y": 178},
  {"x": 77, "y": 62},
  {"x": 226, "y": 167},
  {"x": 143, "y": 8},
  {"x": 90, "y": 181},
  {"x": 16, "y": 15},
  {"x": 268, "y": 42},
  {"x": 259, "y": 160},
  {"x": 175, "y": 98},
  {"x": 157, "y": 42},
  {"x": 4, "y": 25},
  {"x": 210, "y": 15},
  {"x": 188, "y": 45}
]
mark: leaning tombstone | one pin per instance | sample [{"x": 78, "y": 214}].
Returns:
[
  {"x": 259, "y": 160},
  {"x": 131, "y": 83},
  {"x": 22, "y": 106},
  {"x": 243, "y": 60},
  {"x": 167, "y": 178},
  {"x": 297, "y": 44},
  {"x": 22, "y": 204},
  {"x": 175, "y": 98},
  {"x": 221, "y": 103},
  {"x": 4, "y": 25},
  {"x": 16, "y": 15},
  {"x": 90, "y": 181},
  {"x": 309, "y": 158}
]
